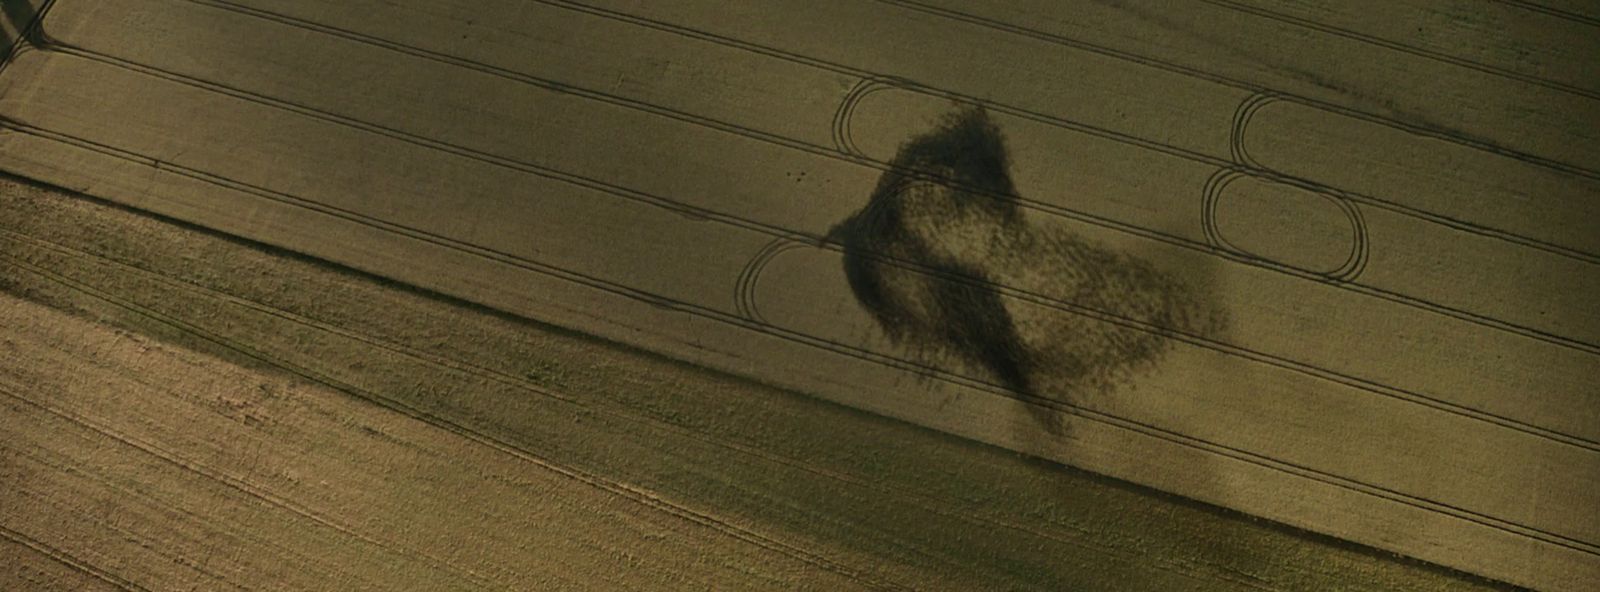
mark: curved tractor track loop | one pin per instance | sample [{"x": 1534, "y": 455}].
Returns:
[
  {"x": 744, "y": 290},
  {"x": 843, "y": 141},
  {"x": 1241, "y": 120},
  {"x": 1355, "y": 262}
]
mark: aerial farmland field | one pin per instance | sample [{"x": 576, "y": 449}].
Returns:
[{"x": 875, "y": 294}]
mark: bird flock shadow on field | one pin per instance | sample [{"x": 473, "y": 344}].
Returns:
[{"x": 943, "y": 229}]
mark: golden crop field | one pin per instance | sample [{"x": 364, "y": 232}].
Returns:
[{"x": 800, "y": 294}]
